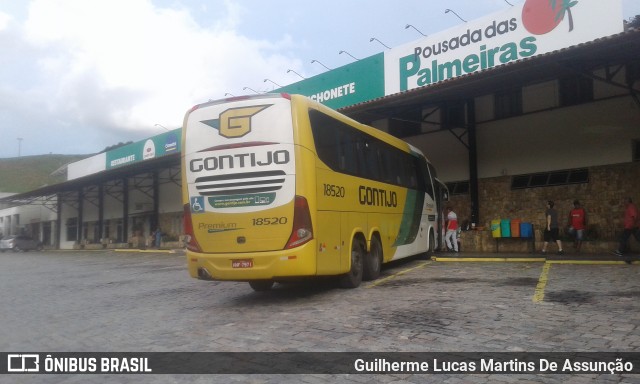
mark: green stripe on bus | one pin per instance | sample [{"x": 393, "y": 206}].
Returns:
[{"x": 411, "y": 215}]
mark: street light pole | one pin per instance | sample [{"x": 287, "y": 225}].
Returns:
[
  {"x": 454, "y": 12},
  {"x": 291, "y": 70},
  {"x": 354, "y": 58},
  {"x": 375, "y": 39},
  {"x": 316, "y": 61}
]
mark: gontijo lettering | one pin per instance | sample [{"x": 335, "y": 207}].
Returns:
[
  {"x": 378, "y": 197},
  {"x": 240, "y": 160}
]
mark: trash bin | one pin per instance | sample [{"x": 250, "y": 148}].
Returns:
[
  {"x": 505, "y": 227},
  {"x": 515, "y": 227},
  {"x": 526, "y": 230},
  {"x": 495, "y": 228}
]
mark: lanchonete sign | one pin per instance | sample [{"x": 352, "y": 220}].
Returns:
[{"x": 532, "y": 28}]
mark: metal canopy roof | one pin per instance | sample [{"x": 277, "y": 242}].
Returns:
[
  {"x": 74, "y": 185},
  {"x": 606, "y": 52}
]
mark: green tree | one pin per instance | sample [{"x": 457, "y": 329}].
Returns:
[{"x": 633, "y": 22}]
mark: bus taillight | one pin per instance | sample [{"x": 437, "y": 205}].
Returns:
[
  {"x": 190, "y": 239},
  {"x": 302, "y": 230}
]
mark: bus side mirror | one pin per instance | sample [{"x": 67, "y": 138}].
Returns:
[{"x": 445, "y": 196}]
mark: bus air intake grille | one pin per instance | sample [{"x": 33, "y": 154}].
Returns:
[{"x": 240, "y": 183}]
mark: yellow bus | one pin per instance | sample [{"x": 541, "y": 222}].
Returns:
[{"x": 278, "y": 187}]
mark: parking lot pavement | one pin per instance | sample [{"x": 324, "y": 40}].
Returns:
[{"x": 146, "y": 302}]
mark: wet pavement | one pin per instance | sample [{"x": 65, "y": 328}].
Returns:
[{"x": 480, "y": 303}]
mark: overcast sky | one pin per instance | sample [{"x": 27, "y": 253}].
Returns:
[{"x": 79, "y": 75}]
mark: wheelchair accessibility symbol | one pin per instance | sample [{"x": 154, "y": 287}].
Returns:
[{"x": 197, "y": 204}]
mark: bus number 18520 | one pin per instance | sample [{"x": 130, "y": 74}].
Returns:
[
  {"x": 269, "y": 221},
  {"x": 333, "y": 190}
]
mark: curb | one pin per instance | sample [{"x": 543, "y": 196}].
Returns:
[
  {"x": 131, "y": 250},
  {"x": 604, "y": 260}
]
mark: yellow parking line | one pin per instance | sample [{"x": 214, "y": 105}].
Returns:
[
  {"x": 380, "y": 281},
  {"x": 493, "y": 259},
  {"x": 538, "y": 296},
  {"x": 591, "y": 262},
  {"x": 135, "y": 250}
]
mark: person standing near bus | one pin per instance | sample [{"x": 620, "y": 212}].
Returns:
[
  {"x": 630, "y": 227},
  {"x": 551, "y": 231},
  {"x": 451, "y": 237},
  {"x": 577, "y": 224}
]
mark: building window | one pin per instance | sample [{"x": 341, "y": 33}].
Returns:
[
  {"x": 119, "y": 231},
  {"x": 72, "y": 229},
  {"x": 107, "y": 229},
  {"x": 508, "y": 103},
  {"x": 550, "y": 179},
  {"x": 575, "y": 90}
]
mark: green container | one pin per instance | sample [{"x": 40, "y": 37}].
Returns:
[{"x": 505, "y": 227}]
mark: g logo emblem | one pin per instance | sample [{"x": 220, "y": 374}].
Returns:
[{"x": 236, "y": 122}]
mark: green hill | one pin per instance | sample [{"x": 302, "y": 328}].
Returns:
[{"x": 26, "y": 173}]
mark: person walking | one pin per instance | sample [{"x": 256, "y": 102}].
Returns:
[
  {"x": 158, "y": 237},
  {"x": 551, "y": 231},
  {"x": 577, "y": 224},
  {"x": 452, "y": 230},
  {"x": 630, "y": 223}
]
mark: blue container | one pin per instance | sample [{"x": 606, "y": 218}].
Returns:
[
  {"x": 505, "y": 227},
  {"x": 526, "y": 230}
]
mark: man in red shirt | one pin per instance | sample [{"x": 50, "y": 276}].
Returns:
[
  {"x": 630, "y": 226},
  {"x": 451, "y": 236},
  {"x": 577, "y": 224}
]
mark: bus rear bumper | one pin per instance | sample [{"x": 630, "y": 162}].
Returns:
[{"x": 254, "y": 266}]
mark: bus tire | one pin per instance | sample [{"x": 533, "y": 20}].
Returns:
[
  {"x": 261, "y": 285},
  {"x": 373, "y": 260},
  {"x": 353, "y": 278},
  {"x": 431, "y": 248}
]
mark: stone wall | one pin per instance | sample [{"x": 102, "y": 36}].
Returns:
[{"x": 602, "y": 197}]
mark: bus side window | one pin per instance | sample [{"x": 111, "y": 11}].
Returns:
[
  {"x": 326, "y": 138},
  {"x": 411, "y": 170},
  {"x": 351, "y": 152},
  {"x": 399, "y": 166},
  {"x": 373, "y": 160},
  {"x": 385, "y": 168},
  {"x": 343, "y": 151}
]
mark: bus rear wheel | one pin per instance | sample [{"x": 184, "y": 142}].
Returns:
[
  {"x": 353, "y": 278},
  {"x": 430, "y": 249},
  {"x": 373, "y": 260},
  {"x": 261, "y": 285}
]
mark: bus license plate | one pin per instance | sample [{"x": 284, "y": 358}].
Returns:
[{"x": 245, "y": 263}]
